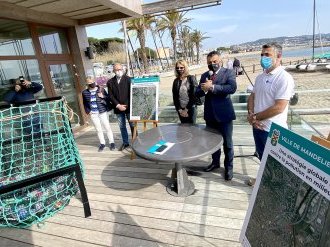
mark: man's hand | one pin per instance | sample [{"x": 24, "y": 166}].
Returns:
[
  {"x": 254, "y": 122},
  {"x": 207, "y": 85},
  {"x": 17, "y": 87},
  {"x": 121, "y": 107},
  {"x": 100, "y": 94},
  {"x": 26, "y": 83},
  {"x": 258, "y": 125}
]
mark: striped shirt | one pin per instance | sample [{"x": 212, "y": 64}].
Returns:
[{"x": 94, "y": 108}]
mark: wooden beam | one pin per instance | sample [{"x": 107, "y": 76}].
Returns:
[
  {"x": 321, "y": 141},
  {"x": 12, "y": 11},
  {"x": 128, "y": 7},
  {"x": 103, "y": 18},
  {"x": 162, "y": 6}
]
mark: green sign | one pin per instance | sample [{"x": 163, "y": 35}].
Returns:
[
  {"x": 290, "y": 203},
  {"x": 149, "y": 79}
]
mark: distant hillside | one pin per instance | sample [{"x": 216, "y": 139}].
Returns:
[{"x": 291, "y": 41}]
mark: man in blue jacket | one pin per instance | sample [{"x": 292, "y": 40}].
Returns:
[
  {"x": 23, "y": 91},
  {"x": 217, "y": 85}
]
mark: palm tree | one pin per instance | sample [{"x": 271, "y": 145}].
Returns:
[
  {"x": 171, "y": 21},
  {"x": 140, "y": 26},
  {"x": 185, "y": 40},
  {"x": 196, "y": 38},
  {"x": 157, "y": 30}
]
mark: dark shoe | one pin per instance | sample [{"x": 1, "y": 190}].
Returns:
[
  {"x": 123, "y": 146},
  {"x": 251, "y": 182},
  {"x": 101, "y": 147},
  {"x": 112, "y": 146},
  {"x": 228, "y": 174},
  {"x": 211, "y": 167}
]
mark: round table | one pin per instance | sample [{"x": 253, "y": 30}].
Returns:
[{"x": 190, "y": 143}]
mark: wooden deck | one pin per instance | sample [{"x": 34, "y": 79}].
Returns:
[{"x": 130, "y": 205}]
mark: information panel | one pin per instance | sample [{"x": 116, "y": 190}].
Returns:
[
  {"x": 289, "y": 205},
  {"x": 144, "y": 98}
]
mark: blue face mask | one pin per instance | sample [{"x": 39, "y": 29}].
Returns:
[{"x": 266, "y": 62}]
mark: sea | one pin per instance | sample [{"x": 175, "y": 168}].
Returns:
[{"x": 305, "y": 52}]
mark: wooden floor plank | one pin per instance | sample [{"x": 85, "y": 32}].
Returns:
[
  {"x": 6, "y": 242},
  {"x": 45, "y": 239}
]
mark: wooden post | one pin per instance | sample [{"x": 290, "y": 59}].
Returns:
[
  {"x": 135, "y": 128},
  {"x": 322, "y": 141}
]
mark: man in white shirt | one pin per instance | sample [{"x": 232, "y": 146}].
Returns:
[{"x": 269, "y": 101}]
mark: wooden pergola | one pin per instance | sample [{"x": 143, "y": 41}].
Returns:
[{"x": 160, "y": 7}]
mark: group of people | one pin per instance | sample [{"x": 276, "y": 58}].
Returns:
[
  {"x": 98, "y": 102},
  {"x": 235, "y": 65},
  {"x": 267, "y": 103}
]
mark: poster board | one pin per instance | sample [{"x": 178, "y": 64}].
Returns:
[
  {"x": 289, "y": 205},
  {"x": 144, "y": 98}
]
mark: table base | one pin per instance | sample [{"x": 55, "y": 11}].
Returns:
[{"x": 180, "y": 184}]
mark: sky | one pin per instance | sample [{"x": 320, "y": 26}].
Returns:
[{"x": 238, "y": 21}]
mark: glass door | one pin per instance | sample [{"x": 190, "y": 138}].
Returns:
[{"x": 63, "y": 83}]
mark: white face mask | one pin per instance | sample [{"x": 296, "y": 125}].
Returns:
[{"x": 119, "y": 73}]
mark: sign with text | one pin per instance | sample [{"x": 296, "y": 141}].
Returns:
[
  {"x": 289, "y": 205},
  {"x": 144, "y": 98}
]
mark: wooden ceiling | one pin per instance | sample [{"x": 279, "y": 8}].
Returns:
[
  {"x": 70, "y": 12},
  {"x": 90, "y": 12},
  {"x": 160, "y": 7}
]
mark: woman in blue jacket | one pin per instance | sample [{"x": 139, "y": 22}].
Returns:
[{"x": 96, "y": 104}]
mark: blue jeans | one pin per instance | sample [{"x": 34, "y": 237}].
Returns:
[
  {"x": 226, "y": 130},
  {"x": 260, "y": 139},
  {"x": 122, "y": 126}
]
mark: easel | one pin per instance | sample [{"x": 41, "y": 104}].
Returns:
[
  {"x": 322, "y": 141},
  {"x": 135, "y": 124}
]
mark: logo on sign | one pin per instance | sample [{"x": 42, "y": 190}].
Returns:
[{"x": 275, "y": 136}]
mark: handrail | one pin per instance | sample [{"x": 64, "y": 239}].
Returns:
[{"x": 302, "y": 112}]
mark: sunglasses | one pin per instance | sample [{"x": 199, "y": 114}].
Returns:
[{"x": 179, "y": 67}]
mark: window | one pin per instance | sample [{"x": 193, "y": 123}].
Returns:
[
  {"x": 15, "y": 39},
  {"x": 12, "y": 69},
  {"x": 52, "y": 40}
]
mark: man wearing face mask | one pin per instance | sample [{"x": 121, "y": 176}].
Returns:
[
  {"x": 217, "y": 85},
  {"x": 269, "y": 101},
  {"x": 96, "y": 104},
  {"x": 23, "y": 90},
  {"x": 119, "y": 92}
]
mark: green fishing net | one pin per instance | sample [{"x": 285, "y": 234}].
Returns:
[{"x": 36, "y": 139}]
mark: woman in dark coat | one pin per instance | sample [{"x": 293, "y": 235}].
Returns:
[{"x": 183, "y": 90}]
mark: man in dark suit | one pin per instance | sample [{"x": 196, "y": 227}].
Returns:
[
  {"x": 216, "y": 85},
  {"x": 119, "y": 92}
]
